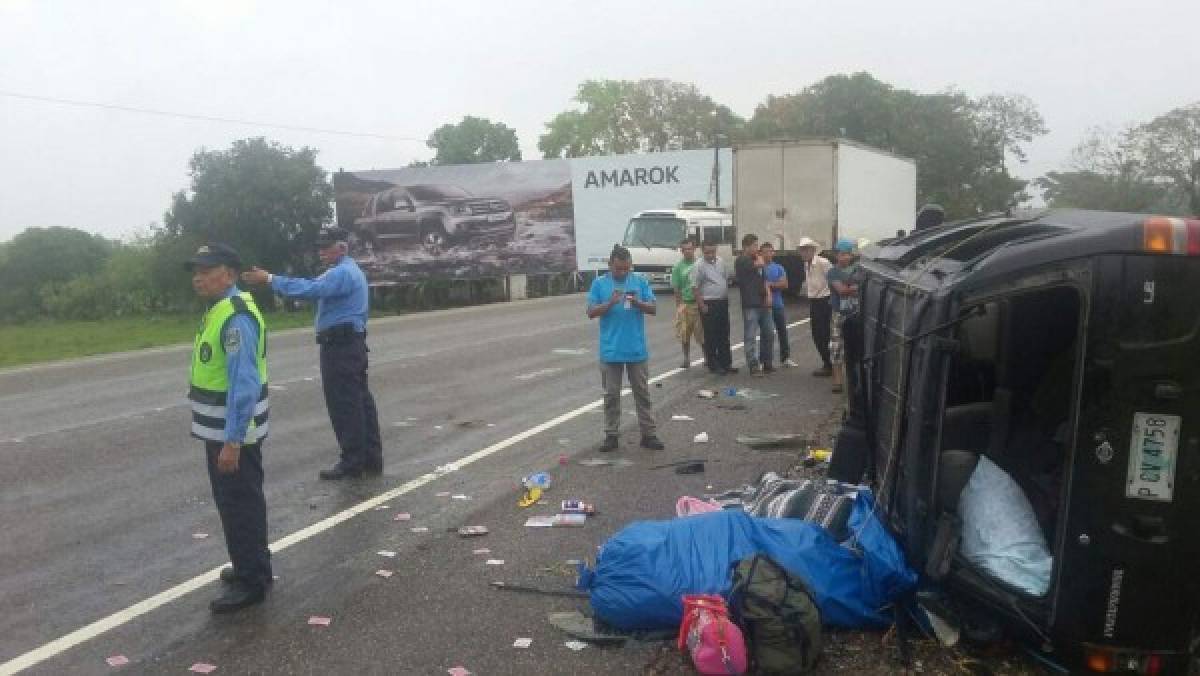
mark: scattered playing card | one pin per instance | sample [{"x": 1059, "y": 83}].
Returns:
[
  {"x": 199, "y": 536},
  {"x": 458, "y": 671},
  {"x": 522, "y": 643},
  {"x": 682, "y": 417},
  {"x": 117, "y": 661},
  {"x": 419, "y": 529},
  {"x": 203, "y": 668},
  {"x": 387, "y": 553},
  {"x": 701, "y": 438},
  {"x": 442, "y": 494},
  {"x": 384, "y": 573},
  {"x": 319, "y": 621},
  {"x": 491, "y": 424},
  {"x": 575, "y": 645},
  {"x": 460, "y": 496},
  {"x": 472, "y": 531},
  {"x": 402, "y": 516},
  {"x": 482, "y": 550},
  {"x": 495, "y": 562}
]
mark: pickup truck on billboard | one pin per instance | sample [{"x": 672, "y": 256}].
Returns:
[{"x": 436, "y": 216}]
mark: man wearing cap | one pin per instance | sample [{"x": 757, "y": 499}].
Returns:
[
  {"x": 843, "y": 285},
  {"x": 820, "y": 313},
  {"x": 341, "y": 295},
  {"x": 228, "y": 392}
]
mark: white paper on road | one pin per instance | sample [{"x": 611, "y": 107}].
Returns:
[
  {"x": 442, "y": 494},
  {"x": 495, "y": 562},
  {"x": 701, "y": 438},
  {"x": 572, "y": 351},
  {"x": 386, "y": 552},
  {"x": 203, "y": 668},
  {"x": 460, "y": 496},
  {"x": 384, "y": 573},
  {"x": 319, "y": 621},
  {"x": 402, "y": 516},
  {"x": 482, "y": 550},
  {"x": 522, "y": 643},
  {"x": 682, "y": 417},
  {"x": 458, "y": 671},
  {"x": 117, "y": 661},
  {"x": 419, "y": 529},
  {"x": 539, "y": 521},
  {"x": 576, "y": 645},
  {"x": 199, "y": 536}
]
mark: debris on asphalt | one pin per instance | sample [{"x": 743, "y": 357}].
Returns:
[
  {"x": 384, "y": 573},
  {"x": 690, "y": 468},
  {"x": 442, "y": 494},
  {"x": 402, "y": 423},
  {"x": 822, "y": 454},
  {"x": 117, "y": 661},
  {"x": 752, "y": 394},
  {"x": 706, "y": 394},
  {"x": 419, "y": 529},
  {"x": 732, "y": 407},
  {"x": 460, "y": 496},
  {"x": 482, "y": 550},
  {"x": 458, "y": 671},
  {"x": 402, "y": 516},
  {"x": 199, "y": 536},
  {"x": 687, "y": 506},
  {"x": 603, "y": 462},
  {"x": 470, "y": 424},
  {"x": 446, "y": 469},
  {"x": 573, "y": 351},
  {"x": 472, "y": 531},
  {"x": 522, "y": 643},
  {"x": 204, "y": 667},
  {"x": 495, "y": 562},
  {"x": 319, "y": 621},
  {"x": 386, "y": 552},
  {"x": 682, "y": 417},
  {"x": 768, "y": 440},
  {"x": 576, "y": 645},
  {"x": 540, "y": 480},
  {"x": 701, "y": 438},
  {"x": 437, "y": 427},
  {"x": 530, "y": 497},
  {"x": 577, "y": 507},
  {"x": 677, "y": 463},
  {"x": 570, "y": 519},
  {"x": 544, "y": 521},
  {"x": 576, "y": 625}
]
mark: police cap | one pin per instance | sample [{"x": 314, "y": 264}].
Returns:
[{"x": 214, "y": 254}]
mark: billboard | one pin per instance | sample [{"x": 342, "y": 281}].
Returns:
[
  {"x": 610, "y": 189},
  {"x": 488, "y": 220},
  {"x": 458, "y": 221}
]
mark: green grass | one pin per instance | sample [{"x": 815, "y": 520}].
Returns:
[{"x": 53, "y": 340}]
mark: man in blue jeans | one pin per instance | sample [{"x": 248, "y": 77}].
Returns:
[
  {"x": 756, "y": 307},
  {"x": 777, "y": 281}
]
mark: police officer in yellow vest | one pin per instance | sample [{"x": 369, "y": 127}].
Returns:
[{"x": 229, "y": 414}]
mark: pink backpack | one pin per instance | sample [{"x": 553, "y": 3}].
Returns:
[
  {"x": 714, "y": 641},
  {"x": 687, "y": 506}
]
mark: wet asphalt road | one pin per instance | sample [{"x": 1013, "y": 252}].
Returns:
[{"x": 102, "y": 493}]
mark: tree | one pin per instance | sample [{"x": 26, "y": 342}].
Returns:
[
  {"x": 40, "y": 257},
  {"x": 474, "y": 140},
  {"x": 267, "y": 200},
  {"x": 1169, "y": 146},
  {"x": 1106, "y": 173},
  {"x": 958, "y": 143},
  {"x": 627, "y": 116}
]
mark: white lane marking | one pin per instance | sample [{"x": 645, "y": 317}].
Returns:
[
  {"x": 538, "y": 374},
  {"x": 121, "y": 617}
]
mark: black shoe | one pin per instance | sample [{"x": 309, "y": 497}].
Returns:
[
  {"x": 237, "y": 597},
  {"x": 339, "y": 471},
  {"x": 230, "y": 577},
  {"x": 824, "y": 372},
  {"x": 611, "y": 441},
  {"x": 767, "y": 368},
  {"x": 732, "y": 370},
  {"x": 653, "y": 443}
]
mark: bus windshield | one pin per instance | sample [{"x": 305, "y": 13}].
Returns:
[{"x": 655, "y": 231}]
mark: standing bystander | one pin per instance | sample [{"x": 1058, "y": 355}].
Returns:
[
  {"x": 710, "y": 286},
  {"x": 844, "y": 296},
  {"x": 756, "y": 307},
  {"x": 622, "y": 299},
  {"x": 820, "y": 313},
  {"x": 687, "y": 317},
  {"x": 777, "y": 281}
]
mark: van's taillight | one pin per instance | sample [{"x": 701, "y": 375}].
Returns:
[
  {"x": 1107, "y": 660},
  {"x": 1179, "y": 236}
]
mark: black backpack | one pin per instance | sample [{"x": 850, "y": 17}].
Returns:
[{"x": 777, "y": 615}]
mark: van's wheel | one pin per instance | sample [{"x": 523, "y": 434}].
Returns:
[{"x": 434, "y": 238}]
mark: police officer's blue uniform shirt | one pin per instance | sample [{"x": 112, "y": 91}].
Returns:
[
  {"x": 622, "y": 331},
  {"x": 341, "y": 294},
  {"x": 240, "y": 340}
]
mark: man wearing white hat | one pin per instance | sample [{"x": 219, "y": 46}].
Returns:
[{"x": 820, "y": 313}]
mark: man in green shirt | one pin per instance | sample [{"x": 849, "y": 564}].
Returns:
[{"x": 687, "y": 318}]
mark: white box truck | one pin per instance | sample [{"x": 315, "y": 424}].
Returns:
[{"x": 825, "y": 189}]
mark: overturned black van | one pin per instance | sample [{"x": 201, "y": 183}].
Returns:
[{"x": 1061, "y": 352}]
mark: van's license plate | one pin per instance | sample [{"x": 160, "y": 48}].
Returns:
[{"x": 1152, "y": 451}]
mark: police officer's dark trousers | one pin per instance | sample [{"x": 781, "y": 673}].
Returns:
[
  {"x": 349, "y": 402},
  {"x": 243, "y": 511}
]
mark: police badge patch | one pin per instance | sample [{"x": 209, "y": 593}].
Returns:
[
  {"x": 232, "y": 340},
  {"x": 205, "y": 352}
]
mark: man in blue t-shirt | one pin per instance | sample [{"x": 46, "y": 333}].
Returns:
[
  {"x": 777, "y": 281},
  {"x": 622, "y": 299},
  {"x": 843, "y": 292}
]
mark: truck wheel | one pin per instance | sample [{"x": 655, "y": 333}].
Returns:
[{"x": 434, "y": 238}]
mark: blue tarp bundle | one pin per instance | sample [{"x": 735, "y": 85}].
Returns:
[{"x": 644, "y": 570}]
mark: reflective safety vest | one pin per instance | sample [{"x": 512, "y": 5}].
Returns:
[{"x": 210, "y": 381}]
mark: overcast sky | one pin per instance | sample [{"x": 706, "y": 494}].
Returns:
[{"x": 402, "y": 68}]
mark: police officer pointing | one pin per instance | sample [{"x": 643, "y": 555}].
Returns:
[
  {"x": 341, "y": 295},
  {"x": 228, "y": 393}
]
